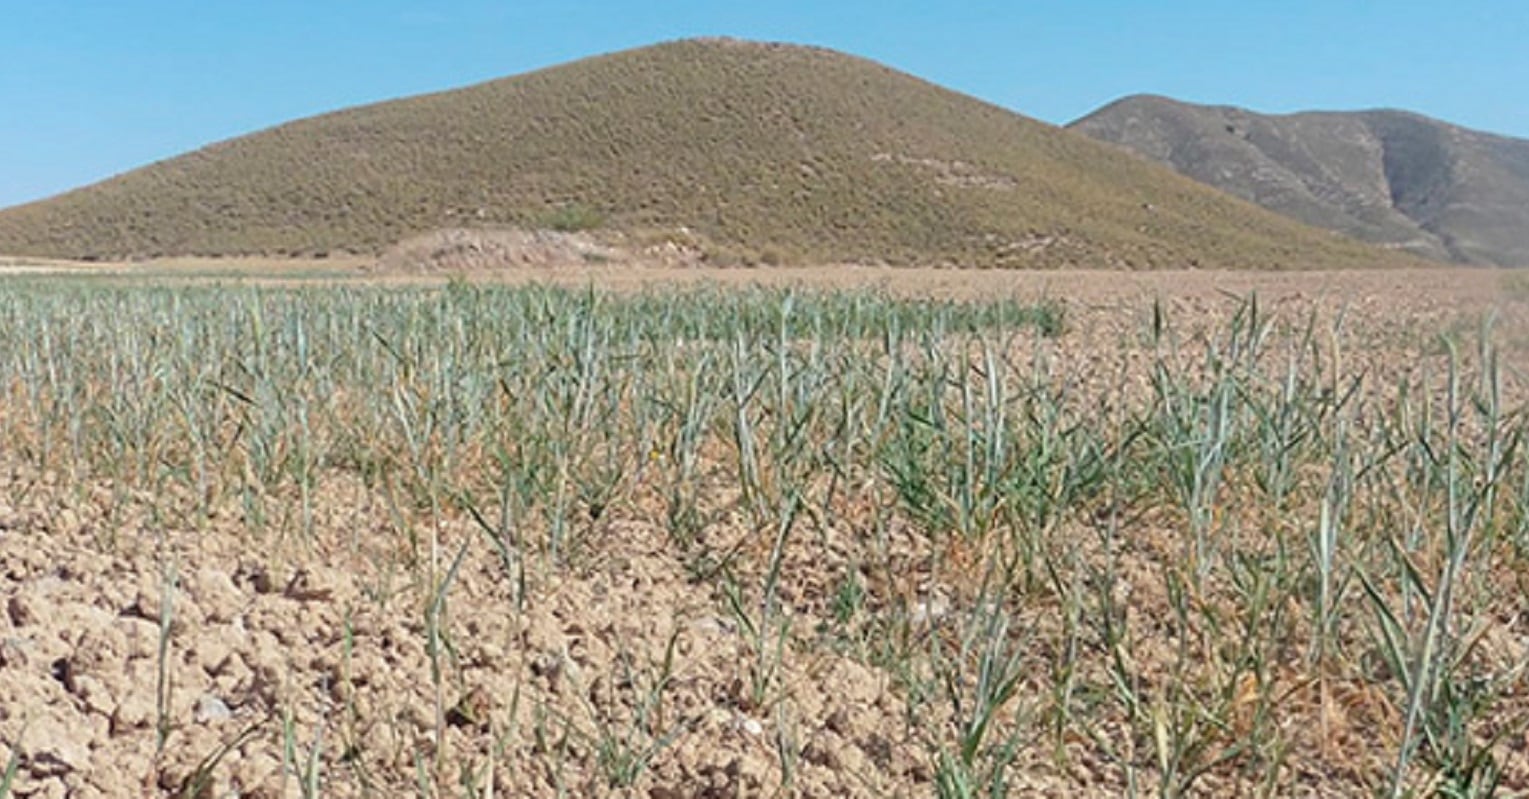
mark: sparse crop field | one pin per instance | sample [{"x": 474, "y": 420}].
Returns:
[{"x": 933, "y": 533}]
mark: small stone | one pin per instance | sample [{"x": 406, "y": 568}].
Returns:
[
  {"x": 747, "y": 725},
  {"x": 548, "y": 665},
  {"x": 930, "y": 611},
  {"x": 210, "y": 710}
]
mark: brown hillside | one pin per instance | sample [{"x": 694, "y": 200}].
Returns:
[{"x": 767, "y": 152}]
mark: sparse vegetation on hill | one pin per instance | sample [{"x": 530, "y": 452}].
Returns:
[{"x": 766, "y": 153}]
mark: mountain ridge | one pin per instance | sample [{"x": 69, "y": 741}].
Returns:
[{"x": 1388, "y": 176}]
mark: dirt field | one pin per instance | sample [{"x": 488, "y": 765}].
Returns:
[{"x": 158, "y": 642}]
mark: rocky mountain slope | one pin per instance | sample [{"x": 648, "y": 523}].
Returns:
[{"x": 1389, "y": 177}]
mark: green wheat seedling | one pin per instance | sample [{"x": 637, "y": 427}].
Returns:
[
  {"x": 1194, "y": 428},
  {"x": 1286, "y": 425},
  {"x": 201, "y": 780},
  {"x": 163, "y": 684},
  {"x": 352, "y": 753},
  {"x": 624, "y": 751},
  {"x": 788, "y": 746},
  {"x": 507, "y": 540},
  {"x": 12, "y": 767},
  {"x": 556, "y": 747},
  {"x": 1432, "y": 659},
  {"x": 1327, "y": 542},
  {"x": 687, "y": 406},
  {"x": 305, "y": 767},
  {"x": 981, "y": 679},
  {"x": 438, "y": 644},
  {"x": 1060, "y": 463},
  {"x": 764, "y": 626}
]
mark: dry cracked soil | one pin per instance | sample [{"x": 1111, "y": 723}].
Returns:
[{"x": 149, "y": 651}]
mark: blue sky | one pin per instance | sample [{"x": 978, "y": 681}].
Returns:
[{"x": 90, "y": 88}]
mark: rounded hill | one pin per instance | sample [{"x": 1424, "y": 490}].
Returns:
[{"x": 751, "y": 151}]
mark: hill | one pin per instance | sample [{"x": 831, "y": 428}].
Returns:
[
  {"x": 1389, "y": 177},
  {"x": 753, "y": 152}
]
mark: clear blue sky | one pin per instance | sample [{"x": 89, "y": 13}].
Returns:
[{"x": 89, "y": 88}]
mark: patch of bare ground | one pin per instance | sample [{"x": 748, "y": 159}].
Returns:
[
  {"x": 19, "y": 267},
  {"x": 464, "y": 250},
  {"x": 368, "y": 639}
]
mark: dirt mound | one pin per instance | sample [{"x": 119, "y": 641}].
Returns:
[{"x": 470, "y": 250}]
